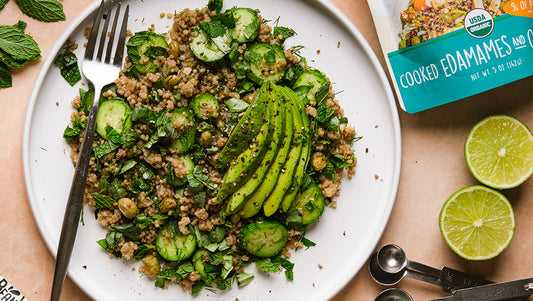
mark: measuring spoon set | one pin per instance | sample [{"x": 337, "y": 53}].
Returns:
[{"x": 389, "y": 265}]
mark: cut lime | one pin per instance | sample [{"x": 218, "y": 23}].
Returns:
[
  {"x": 499, "y": 152},
  {"x": 477, "y": 222}
]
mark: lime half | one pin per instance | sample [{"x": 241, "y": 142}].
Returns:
[
  {"x": 499, "y": 152},
  {"x": 477, "y": 222}
]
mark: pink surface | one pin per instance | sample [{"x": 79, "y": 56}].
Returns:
[{"x": 433, "y": 168}]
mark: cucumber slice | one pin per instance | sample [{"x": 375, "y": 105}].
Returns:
[
  {"x": 149, "y": 44},
  {"x": 172, "y": 245},
  {"x": 246, "y": 24},
  {"x": 188, "y": 165},
  {"x": 205, "y": 106},
  {"x": 309, "y": 204},
  {"x": 207, "y": 270},
  {"x": 264, "y": 239},
  {"x": 206, "y": 49},
  {"x": 115, "y": 113},
  {"x": 310, "y": 83},
  {"x": 267, "y": 63},
  {"x": 185, "y": 138}
]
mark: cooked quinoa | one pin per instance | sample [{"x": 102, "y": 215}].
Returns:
[{"x": 144, "y": 197}]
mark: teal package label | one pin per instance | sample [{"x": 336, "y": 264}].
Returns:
[{"x": 460, "y": 64}]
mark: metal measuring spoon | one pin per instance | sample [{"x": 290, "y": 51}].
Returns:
[
  {"x": 392, "y": 259},
  {"x": 385, "y": 278},
  {"x": 516, "y": 290},
  {"x": 393, "y": 294}
]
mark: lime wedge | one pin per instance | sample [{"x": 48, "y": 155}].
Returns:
[
  {"x": 499, "y": 152},
  {"x": 477, "y": 222}
]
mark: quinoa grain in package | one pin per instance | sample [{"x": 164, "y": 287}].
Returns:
[{"x": 439, "y": 51}]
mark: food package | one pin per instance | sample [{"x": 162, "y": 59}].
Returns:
[{"x": 440, "y": 51}]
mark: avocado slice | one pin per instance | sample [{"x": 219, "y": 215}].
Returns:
[
  {"x": 246, "y": 129},
  {"x": 254, "y": 203},
  {"x": 277, "y": 114},
  {"x": 290, "y": 195},
  {"x": 242, "y": 168},
  {"x": 285, "y": 177}
]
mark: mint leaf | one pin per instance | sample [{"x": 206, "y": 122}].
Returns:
[
  {"x": 215, "y": 5},
  {"x": 266, "y": 265},
  {"x": 72, "y": 132},
  {"x": 308, "y": 243},
  {"x": 236, "y": 105},
  {"x": 213, "y": 29},
  {"x": 285, "y": 32},
  {"x": 324, "y": 113},
  {"x": 17, "y": 44},
  {"x": 68, "y": 66},
  {"x": 2, "y": 3},
  {"x": 244, "y": 278},
  {"x": 42, "y": 10},
  {"x": 102, "y": 201},
  {"x": 21, "y": 25},
  {"x": 5, "y": 76},
  {"x": 10, "y": 61}
]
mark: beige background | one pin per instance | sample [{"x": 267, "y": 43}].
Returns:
[{"x": 433, "y": 168}]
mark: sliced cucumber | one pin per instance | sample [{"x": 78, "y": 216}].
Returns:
[
  {"x": 264, "y": 239},
  {"x": 205, "y": 106},
  {"x": 188, "y": 165},
  {"x": 309, "y": 204},
  {"x": 185, "y": 138},
  {"x": 209, "y": 50},
  {"x": 207, "y": 270},
  {"x": 309, "y": 83},
  {"x": 115, "y": 113},
  {"x": 172, "y": 245},
  {"x": 267, "y": 63},
  {"x": 246, "y": 24},
  {"x": 149, "y": 44}
]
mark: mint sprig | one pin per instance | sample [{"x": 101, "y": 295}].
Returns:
[{"x": 16, "y": 49}]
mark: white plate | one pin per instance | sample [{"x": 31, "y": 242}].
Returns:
[{"x": 345, "y": 236}]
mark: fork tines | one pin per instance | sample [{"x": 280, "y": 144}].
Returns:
[{"x": 100, "y": 32}]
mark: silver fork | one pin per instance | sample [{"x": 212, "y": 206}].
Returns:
[{"x": 99, "y": 69}]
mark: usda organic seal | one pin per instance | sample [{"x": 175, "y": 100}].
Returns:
[{"x": 479, "y": 23}]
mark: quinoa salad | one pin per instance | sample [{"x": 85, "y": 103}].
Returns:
[
  {"x": 424, "y": 20},
  {"x": 216, "y": 147}
]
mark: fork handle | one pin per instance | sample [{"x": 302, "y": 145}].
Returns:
[{"x": 75, "y": 202}]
